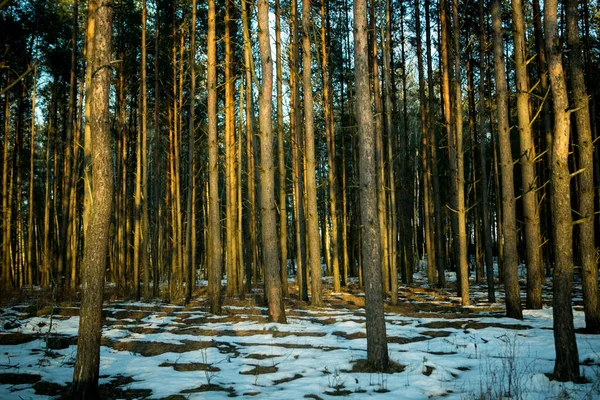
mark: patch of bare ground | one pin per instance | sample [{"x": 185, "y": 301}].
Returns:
[
  {"x": 19, "y": 379},
  {"x": 364, "y": 365},
  {"x": 242, "y": 333},
  {"x": 211, "y": 388},
  {"x": 136, "y": 315},
  {"x": 186, "y": 367},
  {"x": 57, "y": 312},
  {"x": 259, "y": 370},
  {"x": 312, "y": 396},
  {"x": 291, "y": 346},
  {"x": 428, "y": 370},
  {"x": 150, "y": 349},
  {"x": 45, "y": 388},
  {"x": 11, "y": 339},
  {"x": 338, "y": 392},
  {"x": 471, "y": 325},
  {"x": 437, "y": 334},
  {"x": 256, "y": 356},
  {"x": 288, "y": 379}
]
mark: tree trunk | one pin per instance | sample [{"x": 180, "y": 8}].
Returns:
[
  {"x": 267, "y": 173},
  {"x": 587, "y": 246},
  {"x": 312, "y": 219},
  {"x": 509, "y": 228},
  {"x": 191, "y": 200},
  {"x": 330, "y": 137},
  {"x": 100, "y": 188},
  {"x": 377, "y": 352},
  {"x": 214, "y": 223},
  {"x": 283, "y": 216},
  {"x": 566, "y": 367},
  {"x": 31, "y": 264},
  {"x": 437, "y": 203},
  {"x": 533, "y": 239},
  {"x": 485, "y": 205}
]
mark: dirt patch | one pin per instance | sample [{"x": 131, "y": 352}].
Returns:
[
  {"x": 256, "y": 356},
  {"x": 211, "y": 388},
  {"x": 341, "y": 392},
  {"x": 19, "y": 379},
  {"x": 351, "y": 336},
  {"x": 60, "y": 342},
  {"x": 286, "y": 380},
  {"x": 49, "y": 388},
  {"x": 185, "y": 367},
  {"x": 437, "y": 334},
  {"x": 259, "y": 370},
  {"x": 242, "y": 333},
  {"x": 471, "y": 325},
  {"x": 11, "y": 339},
  {"x": 150, "y": 349},
  {"x": 58, "y": 311},
  {"x": 291, "y": 346},
  {"x": 364, "y": 365},
  {"x": 428, "y": 370}
]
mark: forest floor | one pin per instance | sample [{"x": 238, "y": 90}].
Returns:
[{"x": 161, "y": 351}]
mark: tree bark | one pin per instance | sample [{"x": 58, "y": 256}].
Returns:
[
  {"x": 509, "y": 228},
  {"x": 312, "y": 218},
  {"x": 216, "y": 257},
  {"x": 267, "y": 173},
  {"x": 100, "y": 189},
  {"x": 377, "y": 352},
  {"x": 533, "y": 239},
  {"x": 587, "y": 246},
  {"x": 566, "y": 367}
]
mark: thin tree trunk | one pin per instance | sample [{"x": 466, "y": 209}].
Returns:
[
  {"x": 589, "y": 267},
  {"x": 461, "y": 234},
  {"x": 377, "y": 352},
  {"x": 215, "y": 260},
  {"x": 312, "y": 219},
  {"x": 281, "y": 154},
  {"x": 191, "y": 200},
  {"x": 533, "y": 239},
  {"x": 297, "y": 161},
  {"x": 425, "y": 148},
  {"x": 437, "y": 202},
  {"x": 330, "y": 137},
  {"x": 31, "y": 264},
  {"x": 509, "y": 228},
  {"x": 485, "y": 206},
  {"x": 391, "y": 135}
]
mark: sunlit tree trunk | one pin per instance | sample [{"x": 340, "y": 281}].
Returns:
[
  {"x": 253, "y": 242},
  {"x": 312, "y": 219},
  {"x": 191, "y": 200},
  {"x": 566, "y": 367},
  {"x": 31, "y": 264},
  {"x": 267, "y": 173},
  {"x": 297, "y": 159},
  {"x": 100, "y": 188},
  {"x": 214, "y": 223},
  {"x": 281, "y": 154},
  {"x": 391, "y": 151},
  {"x": 509, "y": 228}
]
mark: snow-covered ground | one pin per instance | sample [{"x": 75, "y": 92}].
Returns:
[{"x": 158, "y": 350}]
